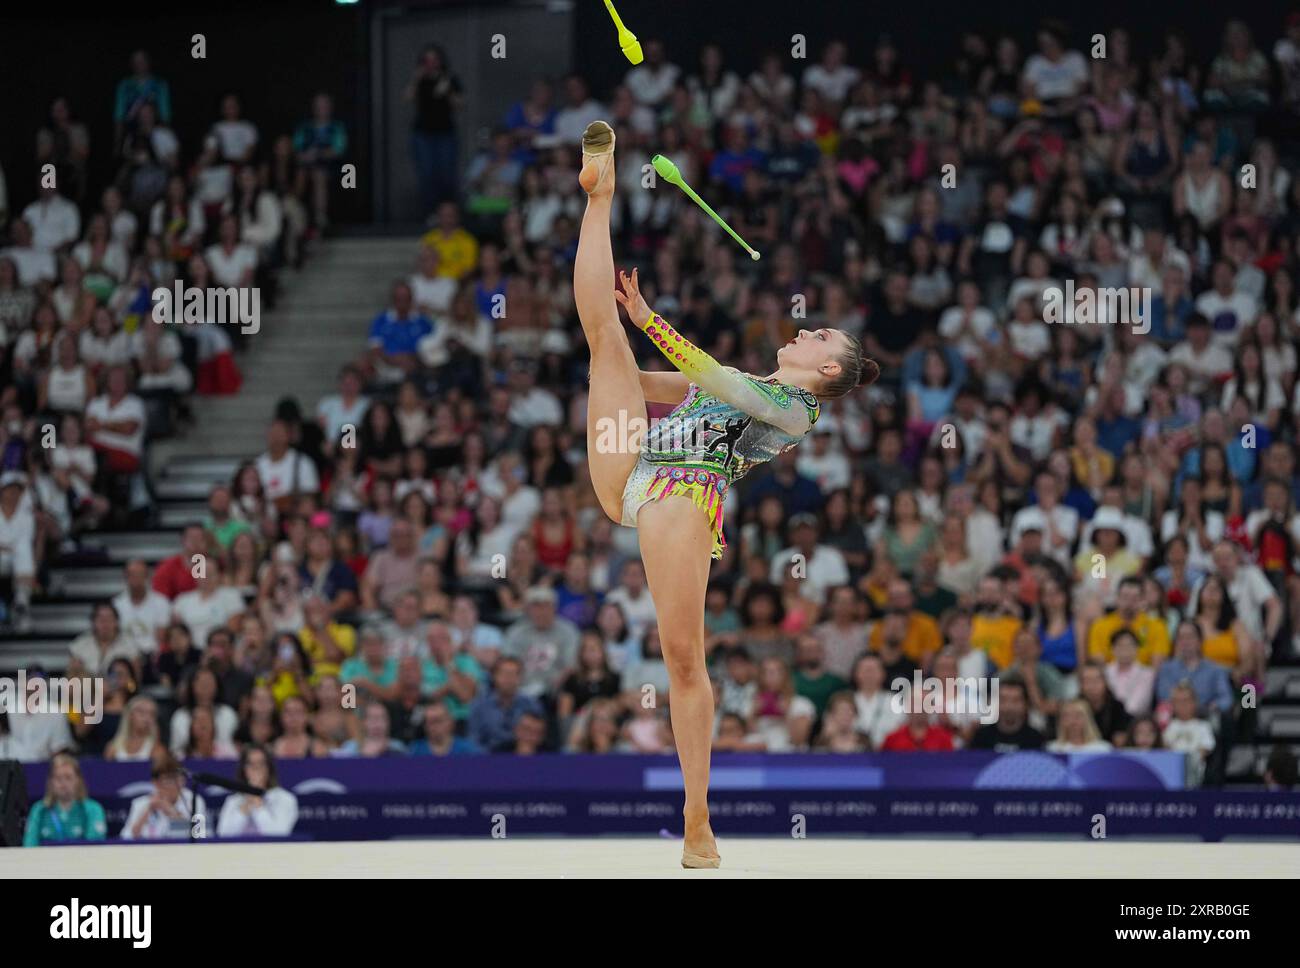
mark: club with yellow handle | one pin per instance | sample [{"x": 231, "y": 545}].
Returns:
[{"x": 627, "y": 41}]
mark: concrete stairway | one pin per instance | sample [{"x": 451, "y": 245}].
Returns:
[{"x": 319, "y": 323}]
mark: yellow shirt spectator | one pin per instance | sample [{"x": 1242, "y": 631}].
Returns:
[
  {"x": 1152, "y": 636},
  {"x": 995, "y": 634},
  {"x": 457, "y": 251},
  {"x": 922, "y": 639},
  {"x": 345, "y": 637}
]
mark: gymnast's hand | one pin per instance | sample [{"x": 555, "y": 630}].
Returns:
[{"x": 632, "y": 300}]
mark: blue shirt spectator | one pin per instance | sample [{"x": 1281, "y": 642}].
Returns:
[
  {"x": 493, "y": 715},
  {"x": 1210, "y": 682}
]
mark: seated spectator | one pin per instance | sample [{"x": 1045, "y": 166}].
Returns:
[
  {"x": 392, "y": 572},
  {"x": 921, "y": 637},
  {"x": 1152, "y": 636},
  {"x": 142, "y": 613},
  {"x": 590, "y": 679},
  {"x": 1131, "y": 682},
  {"x": 137, "y": 739},
  {"x": 115, "y": 423},
  {"x": 1107, "y": 712},
  {"x": 174, "y": 576},
  {"x": 211, "y": 604},
  {"x": 17, "y": 550},
  {"x": 66, "y": 813},
  {"x": 202, "y": 690},
  {"x": 296, "y": 740},
  {"x": 1012, "y": 732},
  {"x": 166, "y": 813},
  {"x": 779, "y": 715},
  {"x": 545, "y": 643},
  {"x": 203, "y": 742},
  {"x": 91, "y": 652},
  {"x": 918, "y": 734},
  {"x": 439, "y": 737},
  {"x": 1043, "y": 682},
  {"x": 273, "y": 814},
  {"x": 376, "y": 737},
  {"x": 877, "y": 716},
  {"x": 1076, "y": 732},
  {"x": 495, "y": 713},
  {"x": 1188, "y": 734},
  {"x": 285, "y": 473},
  {"x": 1210, "y": 682},
  {"x": 328, "y": 643}
]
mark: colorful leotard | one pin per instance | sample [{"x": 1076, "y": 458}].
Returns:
[{"x": 728, "y": 423}]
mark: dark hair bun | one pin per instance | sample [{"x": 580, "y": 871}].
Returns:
[{"x": 870, "y": 372}]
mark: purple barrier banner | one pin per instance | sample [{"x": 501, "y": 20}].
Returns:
[
  {"x": 1197, "y": 814},
  {"x": 962, "y": 770},
  {"x": 1136, "y": 794}
]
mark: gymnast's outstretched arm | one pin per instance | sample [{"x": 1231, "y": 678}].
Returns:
[{"x": 725, "y": 383}]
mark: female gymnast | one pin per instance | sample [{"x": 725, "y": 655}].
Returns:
[{"x": 672, "y": 487}]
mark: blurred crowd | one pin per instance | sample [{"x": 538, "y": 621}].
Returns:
[
  {"x": 89, "y": 373},
  {"x": 1100, "y": 514}
]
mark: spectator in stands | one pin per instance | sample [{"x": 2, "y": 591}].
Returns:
[
  {"x": 176, "y": 576},
  {"x": 115, "y": 422},
  {"x": 545, "y": 643},
  {"x": 320, "y": 143},
  {"x": 376, "y": 736},
  {"x": 1210, "y": 682},
  {"x": 285, "y": 473},
  {"x": 1280, "y": 770},
  {"x": 1012, "y": 732},
  {"x": 1152, "y": 636},
  {"x": 1108, "y": 713},
  {"x": 439, "y": 738},
  {"x": 202, "y": 690},
  {"x": 457, "y": 249},
  {"x": 921, "y": 637},
  {"x": 17, "y": 550},
  {"x": 296, "y": 740},
  {"x": 142, "y": 612},
  {"x": 66, "y": 814},
  {"x": 495, "y": 713},
  {"x": 272, "y": 814},
  {"x": 1131, "y": 682},
  {"x": 1076, "y": 732},
  {"x": 918, "y": 734},
  {"x": 817, "y": 566},
  {"x": 1187, "y": 733},
  {"x": 211, "y": 604},
  {"x": 167, "y": 813},
  {"x": 91, "y": 652},
  {"x": 137, "y": 739}
]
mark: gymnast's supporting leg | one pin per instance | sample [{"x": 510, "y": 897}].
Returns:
[
  {"x": 615, "y": 378},
  {"x": 676, "y": 547}
]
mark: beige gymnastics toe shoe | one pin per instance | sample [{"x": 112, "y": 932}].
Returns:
[{"x": 597, "y": 176}]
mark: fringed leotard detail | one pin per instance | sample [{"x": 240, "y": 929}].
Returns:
[{"x": 728, "y": 423}]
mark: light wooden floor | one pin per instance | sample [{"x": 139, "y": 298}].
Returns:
[{"x": 626, "y": 857}]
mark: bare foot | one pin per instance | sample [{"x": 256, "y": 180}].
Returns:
[{"x": 597, "y": 175}]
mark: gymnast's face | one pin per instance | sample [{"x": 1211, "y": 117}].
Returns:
[{"x": 815, "y": 350}]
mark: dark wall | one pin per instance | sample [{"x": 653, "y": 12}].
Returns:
[
  {"x": 926, "y": 32},
  {"x": 275, "y": 55}
]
